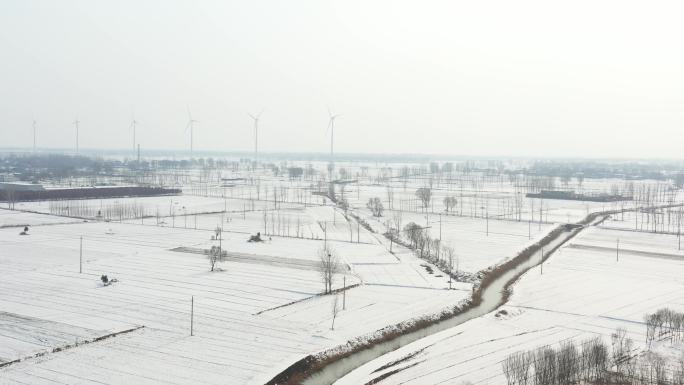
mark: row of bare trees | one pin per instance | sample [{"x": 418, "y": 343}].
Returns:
[
  {"x": 567, "y": 364},
  {"x": 432, "y": 249},
  {"x": 592, "y": 362},
  {"x": 664, "y": 324},
  {"x": 85, "y": 209}
]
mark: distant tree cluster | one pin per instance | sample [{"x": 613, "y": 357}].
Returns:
[
  {"x": 375, "y": 206},
  {"x": 450, "y": 202},
  {"x": 425, "y": 196},
  {"x": 295, "y": 172}
]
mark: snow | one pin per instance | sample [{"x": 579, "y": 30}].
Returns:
[
  {"x": 251, "y": 319},
  {"x": 582, "y": 293},
  {"x": 10, "y": 218},
  {"x": 262, "y": 311}
]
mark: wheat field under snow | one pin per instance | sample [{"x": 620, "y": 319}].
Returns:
[
  {"x": 584, "y": 291},
  {"x": 252, "y": 319}
]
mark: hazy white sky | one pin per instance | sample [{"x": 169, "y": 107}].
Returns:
[{"x": 540, "y": 78}]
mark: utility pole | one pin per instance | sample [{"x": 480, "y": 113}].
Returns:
[
  {"x": 192, "y": 315},
  {"x": 541, "y": 265},
  {"x": 541, "y": 205},
  {"x": 440, "y": 227},
  {"x": 617, "y": 251},
  {"x": 80, "y": 257},
  {"x": 344, "y": 292},
  {"x": 487, "y": 220}
]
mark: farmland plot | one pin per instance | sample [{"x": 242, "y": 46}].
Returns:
[
  {"x": 582, "y": 293},
  {"x": 253, "y": 317}
]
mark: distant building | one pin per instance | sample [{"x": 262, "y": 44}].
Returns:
[{"x": 21, "y": 186}]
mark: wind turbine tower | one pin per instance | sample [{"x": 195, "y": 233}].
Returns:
[
  {"x": 133, "y": 124},
  {"x": 191, "y": 126},
  {"x": 331, "y": 127},
  {"x": 76, "y": 122},
  {"x": 256, "y": 137}
]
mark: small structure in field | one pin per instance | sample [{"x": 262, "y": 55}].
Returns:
[{"x": 255, "y": 238}]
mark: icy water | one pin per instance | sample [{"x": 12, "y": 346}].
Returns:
[{"x": 492, "y": 298}]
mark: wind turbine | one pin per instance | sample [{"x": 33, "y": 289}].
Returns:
[
  {"x": 331, "y": 127},
  {"x": 75, "y": 123},
  {"x": 191, "y": 126},
  {"x": 256, "y": 136},
  {"x": 34, "y": 135},
  {"x": 133, "y": 123}
]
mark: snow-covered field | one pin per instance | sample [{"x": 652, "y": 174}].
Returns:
[
  {"x": 10, "y": 218},
  {"x": 584, "y": 291},
  {"x": 262, "y": 311},
  {"x": 244, "y": 329}
]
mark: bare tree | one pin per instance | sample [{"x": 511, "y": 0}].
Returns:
[
  {"x": 414, "y": 233},
  {"x": 622, "y": 345},
  {"x": 450, "y": 258},
  {"x": 375, "y": 206},
  {"x": 397, "y": 219},
  {"x": 11, "y": 197},
  {"x": 450, "y": 202},
  {"x": 565, "y": 179},
  {"x": 425, "y": 196},
  {"x": 344, "y": 205},
  {"x": 215, "y": 255},
  {"x": 508, "y": 367},
  {"x": 678, "y": 374},
  {"x": 335, "y": 309},
  {"x": 329, "y": 265}
]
